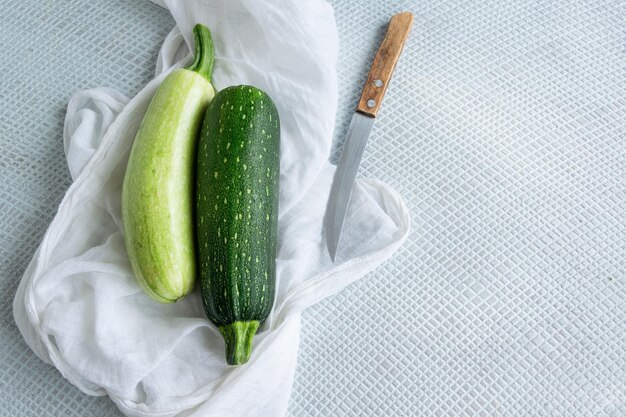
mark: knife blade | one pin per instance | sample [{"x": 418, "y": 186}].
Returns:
[{"x": 361, "y": 125}]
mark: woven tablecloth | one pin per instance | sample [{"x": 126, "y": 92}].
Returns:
[{"x": 504, "y": 128}]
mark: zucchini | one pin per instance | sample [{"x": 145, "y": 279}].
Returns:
[
  {"x": 237, "y": 214},
  {"x": 158, "y": 190}
]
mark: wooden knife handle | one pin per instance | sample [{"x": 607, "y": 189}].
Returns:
[{"x": 384, "y": 63}]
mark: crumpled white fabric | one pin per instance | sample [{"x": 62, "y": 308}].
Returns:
[{"x": 78, "y": 305}]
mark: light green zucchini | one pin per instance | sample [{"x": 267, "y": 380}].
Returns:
[{"x": 158, "y": 190}]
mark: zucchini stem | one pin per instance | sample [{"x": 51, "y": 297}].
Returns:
[
  {"x": 204, "y": 56},
  {"x": 238, "y": 337}
]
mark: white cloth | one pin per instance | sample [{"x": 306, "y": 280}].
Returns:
[{"x": 78, "y": 305}]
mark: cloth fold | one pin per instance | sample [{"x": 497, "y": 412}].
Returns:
[{"x": 78, "y": 305}]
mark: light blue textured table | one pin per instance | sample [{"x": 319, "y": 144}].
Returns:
[{"x": 504, "y": 129}]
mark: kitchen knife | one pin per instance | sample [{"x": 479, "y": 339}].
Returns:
[{"x": 361, "y": 126}]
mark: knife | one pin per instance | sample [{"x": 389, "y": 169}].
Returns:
[{"x": 361, "y": 126}]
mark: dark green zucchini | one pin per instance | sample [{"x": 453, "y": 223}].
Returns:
[{"x": 237, "y": 213}]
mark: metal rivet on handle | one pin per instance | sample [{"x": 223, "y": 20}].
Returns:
[
  {"x": 371, "y": 103},
  {"x": 378, "y": 83}
]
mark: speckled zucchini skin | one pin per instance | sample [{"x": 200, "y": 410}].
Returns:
[{"x": 237, "y": 213}]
